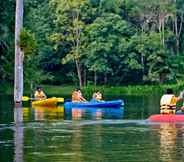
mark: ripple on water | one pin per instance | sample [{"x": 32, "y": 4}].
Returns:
[
  {"x": 6, "y": 143},
  {"x": 59, "y": 130},
  {"x": 56, "y": 137}
]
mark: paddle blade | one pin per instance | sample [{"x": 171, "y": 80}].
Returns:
[
  {"x": 60, "y": 99},
  {"x": 25, "y": 98}
]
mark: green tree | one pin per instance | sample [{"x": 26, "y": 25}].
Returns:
[
  {"x": 71, "y": 27},
  {"x": 107, "y": 36},
  {"x": 43, "y": 57},
  {"x": 7, "y": 21},
  {"x": 154, "y": 58},
  {"x": 152, "y": 15}
]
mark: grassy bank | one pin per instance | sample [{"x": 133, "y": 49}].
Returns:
[
  {"x": 66, "y": 90},
  {"x": 138, "y": 90}
]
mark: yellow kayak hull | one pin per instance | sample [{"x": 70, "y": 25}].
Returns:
[{"x": 48, "y": 102}]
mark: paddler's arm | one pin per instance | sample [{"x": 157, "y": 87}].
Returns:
[
  {"x": 36, "y": 95},
  {"x": 181, "y": 96},
  {"x": 83, "y": 99},
  {"x": 44, "y": 96}
]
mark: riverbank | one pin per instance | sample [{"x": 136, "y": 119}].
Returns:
[{"x": 136, "y": 90}]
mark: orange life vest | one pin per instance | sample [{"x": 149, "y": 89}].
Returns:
[
  {"x": 168, "y": 104},
  {"x": 39, "y": 95}
]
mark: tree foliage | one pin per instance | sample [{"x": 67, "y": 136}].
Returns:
[
  {"x": 97, "y": 41},
  {"x": 27, "y": 41}
]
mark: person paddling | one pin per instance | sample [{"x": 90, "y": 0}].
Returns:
[
  {"x": 168, "y": 102},
  {"x": 97, "y": 96},
  {"x": 180, "y": 98},
  {"x": 39, "y": 94},
  {"x": 77, "y": 96}
]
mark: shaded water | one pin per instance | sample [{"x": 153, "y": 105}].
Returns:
[{"x": 81, "y": 135}]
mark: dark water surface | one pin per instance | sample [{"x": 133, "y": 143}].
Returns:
[{"x": 80, "y": 135}]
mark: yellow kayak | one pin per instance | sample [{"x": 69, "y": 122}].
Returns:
[{"x": 48, "y": 102}]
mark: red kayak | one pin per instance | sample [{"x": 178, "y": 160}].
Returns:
[{"x": 166, "y": 118}]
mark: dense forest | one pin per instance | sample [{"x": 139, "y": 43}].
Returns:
[{"x": 96, "y": 42}]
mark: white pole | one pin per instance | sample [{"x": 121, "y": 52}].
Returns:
[{"x": 18, "y": 79}]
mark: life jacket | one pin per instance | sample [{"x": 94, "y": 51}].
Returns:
[
  {"x": 39, "y": 95},
  {"x": 168, "y": 104}
]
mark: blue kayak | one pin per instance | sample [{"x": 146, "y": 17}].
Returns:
[
  {"x": 105, "y": 104},
  {"x": 179, "y": 112}
]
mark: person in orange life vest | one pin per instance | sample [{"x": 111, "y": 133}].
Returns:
[
  {"x": 168, "y": 102},
  {"x": 39, "y": 94},
  {"x": 97, "y": 96},
  {"x": 77, "y": 96}
]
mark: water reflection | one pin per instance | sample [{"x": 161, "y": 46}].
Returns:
[
  {"x": 64, "y": 140},
  {"x": 93, "y": 113},
  {"x": 168, "y": 133},
  {"x": 61, "y": 113},
  {"x": 170, "y": 137},
  {"x": 18, "y": 134},
  {"x": 38, "y": 113}
]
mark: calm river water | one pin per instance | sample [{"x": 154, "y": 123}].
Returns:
[{"x": 88, "y": 135}]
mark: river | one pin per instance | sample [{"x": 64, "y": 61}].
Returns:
[{"x": 88, "y": 135}]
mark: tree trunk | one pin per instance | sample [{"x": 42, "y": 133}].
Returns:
[
  {"x": 176, "y": 34},
  {"x": 18, "y": 80},
  {"x": 162, "y": 78},
  {"x": 163, "y": 32},
  {"x": 142, "y": 62},
  {"x": 79, "y": 72},
  {"x": 85, "y": 78},
  {"x": 161, "y": 28},
  {"x": 177, "y": 44},
  {"x": 178, "y": 29},
  {"x": 95, "y": 78},
  {"x": 77, "y": 51},
  {"x": 105, "y": 78}
]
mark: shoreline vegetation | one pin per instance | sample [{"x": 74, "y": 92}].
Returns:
[{"x": 66, "y": 90}]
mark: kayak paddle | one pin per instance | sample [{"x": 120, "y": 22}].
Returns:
[{"x": 26, "y": 98}]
